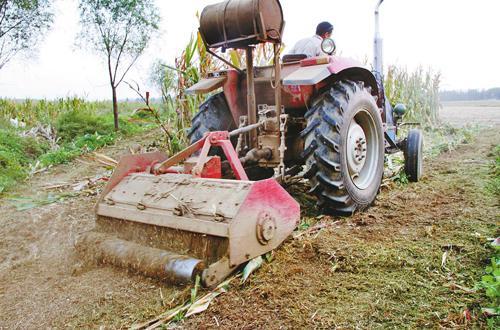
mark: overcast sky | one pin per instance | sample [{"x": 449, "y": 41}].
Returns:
[{"x": 459, "y": 38}]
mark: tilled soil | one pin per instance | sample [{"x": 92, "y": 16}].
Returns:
[
  {"x": 379, "y": 268},
  {"x": 43, "y": 283},
  {"x": 382, "y": 268}
]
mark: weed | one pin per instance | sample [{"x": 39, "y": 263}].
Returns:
[
  {"x": 493, "y": 185},
  {"x": 80, "y": 122},
  {"x": 446, "y": 138},
  {"x": 81, "y": 145},
  {"x": 401, "y": 178},
  {"x": 15, "y": 155},
  {"x": 60, "y": 156},
  {"x": 81, "y": 127},
  {"x": 490, "y": 287}
]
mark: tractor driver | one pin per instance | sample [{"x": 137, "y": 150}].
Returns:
[{"x": 312, "y": 46}]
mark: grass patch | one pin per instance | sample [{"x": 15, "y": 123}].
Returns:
[
  {"x": 447, "y": 138},
  {"x": 490, "y": 287},
  {"x": 16, "y": 156},
  {"x": 493, "y": 185},
  {"x": 80, "y": 126}
]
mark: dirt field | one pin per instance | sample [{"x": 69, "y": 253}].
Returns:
[
  {"x": 380, "y": 268},
  {"x": 486, "y": 113}
]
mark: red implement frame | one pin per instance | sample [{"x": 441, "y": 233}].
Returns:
[{"x": 211, "y": 139}]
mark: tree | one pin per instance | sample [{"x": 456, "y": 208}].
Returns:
[
  {"x": 22, "y": 25},
  {"x": 120, "y": 30},
  {"x": 163, "y": 78}
]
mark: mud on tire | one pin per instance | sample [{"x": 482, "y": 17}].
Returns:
[{"x": 344, "y": 148}]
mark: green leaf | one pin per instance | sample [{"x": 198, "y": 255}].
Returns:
[
  {"x": 491, "y": 293},
  {"x": 194, "y": 291},
  {"x": 252, "y": 265},
  {"x": 235, "y": 58},
  {"x": 269, "y": 256},
  {"x": 487, "y": 279}
]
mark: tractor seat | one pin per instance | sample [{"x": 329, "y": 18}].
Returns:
[{"x": 288, "y": 58}]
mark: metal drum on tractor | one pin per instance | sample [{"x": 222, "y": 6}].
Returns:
[{"x": 219, "y": 203}]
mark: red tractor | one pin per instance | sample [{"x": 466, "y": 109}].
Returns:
[
  {"x": 325, "y": 118},
  {"x": 326, "y": 115}
]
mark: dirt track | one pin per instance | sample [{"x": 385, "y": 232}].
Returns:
[{"x": 381, "y": 268}]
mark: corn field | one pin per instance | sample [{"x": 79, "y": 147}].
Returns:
[
  {"x": 34, "y": 112},
  {"x": 418, "y": 90}
]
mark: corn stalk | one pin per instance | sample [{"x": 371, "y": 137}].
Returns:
[{"x": 418, "y": 90}]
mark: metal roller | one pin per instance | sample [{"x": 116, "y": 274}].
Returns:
[{"x": 153, "y": 262}]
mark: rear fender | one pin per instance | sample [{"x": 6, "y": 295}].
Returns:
[{"x": 338, "y": 67}]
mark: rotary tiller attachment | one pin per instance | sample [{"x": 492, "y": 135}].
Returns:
[{"x": 176, "y": 222}]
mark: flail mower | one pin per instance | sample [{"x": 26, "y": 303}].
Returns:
[{"x": 219, "y": 202}]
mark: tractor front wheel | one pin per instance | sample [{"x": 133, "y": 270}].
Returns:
[
  {"x": 344, "y": 148},
  {"x": 413, "y": 155}
]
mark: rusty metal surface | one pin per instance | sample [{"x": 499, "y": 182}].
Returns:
[
  {"x": 239, "y": 23},
  {"x": 179, "y": 195},
  {"x": 293, "y": 97},
  {"x": 217, "y": 272},
  {"x": 251, "y": 105},
  {"x": 153, "y": 262},
  {"x": 163, "y": 167},
  {"x": 209, "y": 140},
  {"x": 159, "y": 218},
  {"x": 131, "y": 164}
]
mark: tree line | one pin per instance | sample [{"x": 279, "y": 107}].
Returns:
[
  {"x": 118, "y": 30},
  {"x": 470, "y": 94}
]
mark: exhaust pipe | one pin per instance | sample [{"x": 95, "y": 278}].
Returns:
[{"x": 377, "y": 46}]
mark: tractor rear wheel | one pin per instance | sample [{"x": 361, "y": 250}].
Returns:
[
  {"x": 214, "y": 115},
  {"x": 344, "y": 148}
]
